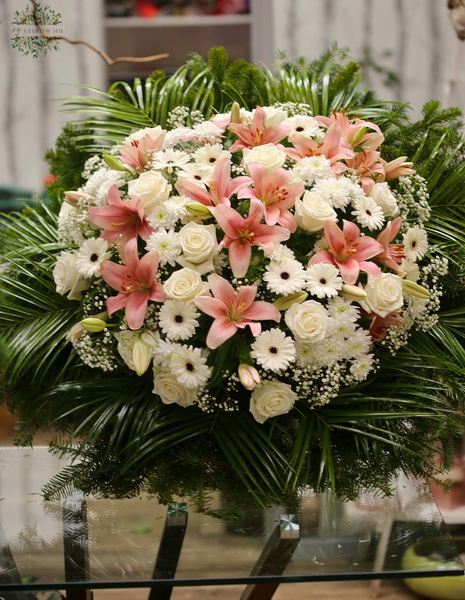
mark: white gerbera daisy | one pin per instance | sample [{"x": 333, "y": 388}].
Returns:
[
  {"x": 311, "y": 169},
  {"x": 368, "y": 213},
  {"x": 305, "y": 125},
  {"x": 91, "y": 255},
  {"x": 361, "y": 368},
  {"x": 163, "y": 352},
  {"x": 178, "y": 320},
  {"x": 195, "y": 172},
  {"x": 208, "y": 155},
  {"x": 169, "y": 159},
  {"x": 189, "y": 366},
  {"x": 165, "y": 242},
  {"x": 273, "y": 350},
  {"x": 342, "y": 309},
  {"x": 323, "y": 280},
  {"x": 415, "y": 243},
  {"x": 285, "y": 277}
]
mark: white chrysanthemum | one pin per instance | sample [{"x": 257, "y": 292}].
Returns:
[
  {"x": 163, "y": 352},
  {"x": 308, "y": 355},
  {"x": 311, "y": 169},
  {"x": 208, "y": 132},
  {"x": 189, "y": 366},
  {"x": 178, "y": 320},
  {"x": 415, "y": 243},
  {"x": 91, "y": 255},
  {"x": 303, "y": 124},
  {"x": 323, "y": 280},
  {"x": 166, "y": 243},
  {"x": 273, "y": 350},
  {"x": 285, "y": 277},
  {"x": 358, "y": 344},
  {"x": 341, "y": 329},
  {"x": 361, "y": 368},
  {"x": 280, "y": 252},
  {"x": 169, "y": 159},
  {"x": 195, "y": 172},
  {"x": 368, "y": 213},
  {"x": 100, "y": 182},
  {"x": 336, "y": 192},
  {"x": 330, "y": 351},
  {"x": 342, "y": 310},
  {"x": 168, "y": 213},
  {"x": 175, "y": 136}
]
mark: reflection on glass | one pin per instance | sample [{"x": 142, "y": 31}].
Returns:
[{"x": 118, "y": 543}]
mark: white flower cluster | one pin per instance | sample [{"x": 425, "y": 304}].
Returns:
[{"x": 279, "y": 230}]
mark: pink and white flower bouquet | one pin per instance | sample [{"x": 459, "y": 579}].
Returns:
[
  {"x": 255, "y": 285},
  {"x": 257, "y": 260}
]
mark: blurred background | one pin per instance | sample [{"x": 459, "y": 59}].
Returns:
[{"x": 409, "y": 51}]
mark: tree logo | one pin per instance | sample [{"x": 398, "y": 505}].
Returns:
[{"x": 30, "y": 31}]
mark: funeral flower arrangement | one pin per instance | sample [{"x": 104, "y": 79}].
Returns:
[{"x": 259, "y": 280}]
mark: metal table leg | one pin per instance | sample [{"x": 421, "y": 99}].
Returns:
[
  {"x": 169, "y": 549},
  {"x": 274, "y": 558}
]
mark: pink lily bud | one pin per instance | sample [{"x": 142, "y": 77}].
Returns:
[
  {"x": 248, "y": 376},
  {"x": 76, "y": 332},
  {"x": 73, "y": 197}
]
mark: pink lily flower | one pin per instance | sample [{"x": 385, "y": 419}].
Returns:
[
  {"x": 120, "y": 220},
  {"x": 392, "y": 254},
  {"x": 233, "y": 311},
  {"x": 397, "y": 168},
  {"x": 333, "y": 147},
  {"x": 379, "y": 325},
  {"x": 355, "y": 133},
  {"x": 243, "y": 233},
  {"x": 368, "y": 165},
  {"x": 135, "y": 282},
  {"x": 276, "y": 194},
  {"x": 348, "y": 251},
  {"x": 222, "y": 187},
  {"x": 137, "y": 153},
  {"x": 258, "y": 133}
]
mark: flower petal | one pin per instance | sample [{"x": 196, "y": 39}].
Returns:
[
  {"x": 240, "y": 254},
  {"x": 220, "y": 331},
  {"x": 136, "y": 307}
]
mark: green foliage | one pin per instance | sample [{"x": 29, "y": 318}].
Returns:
[
  {"x": 66, "y": 162},
  {"x": 128, "y": 440}
]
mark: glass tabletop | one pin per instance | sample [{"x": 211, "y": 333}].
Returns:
[{"x": 96, "y": 543}]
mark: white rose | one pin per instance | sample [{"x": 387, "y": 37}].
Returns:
[
  {"x": 185, "y": 285},
  {"x": 385, "y": 199},
  {"x": 384, "y": 294},
  {"x": 308, "y": 321},
  {"x": 151, "y": 187},
  {"x": 67, "y": 277},
  {"x": 312, "y": 211},
  {"x": 153, "y": 132},
  {"x": 170, "y": 390},
  {"x": 199, "y": 246},
  {"x": 267, "y": 155},
  {"x": 271, "y": 399}
]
